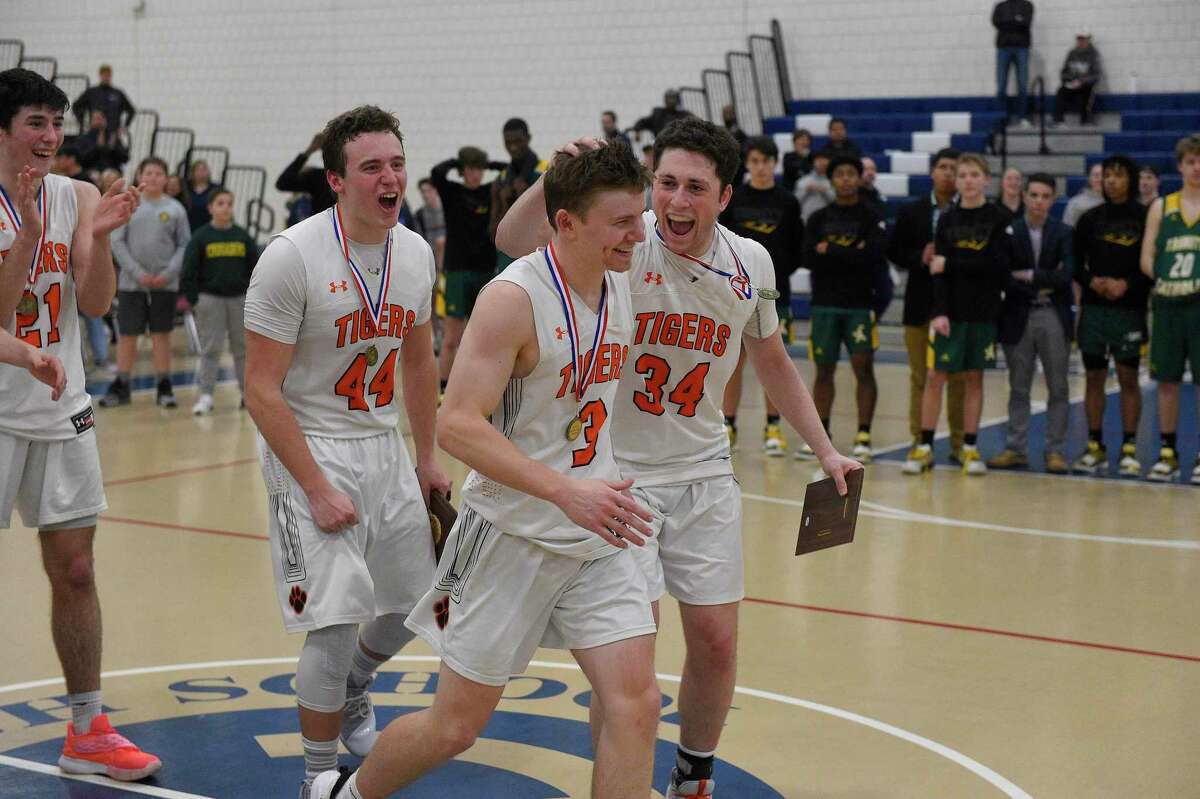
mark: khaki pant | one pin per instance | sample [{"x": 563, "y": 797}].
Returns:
[{"x": 916, "y": 341}]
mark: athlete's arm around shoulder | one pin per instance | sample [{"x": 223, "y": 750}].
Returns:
[
  {"x": 1154, "y": 218},
  {"x": 525, "y": 227},
  {"x": 91, "y": 255},
  {"x": 500, "y": 343}
]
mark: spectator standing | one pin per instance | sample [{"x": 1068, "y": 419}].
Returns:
[
  {"x": 1088, "y": 197},
  {"x": 99, "y": 148},
  {"x": 609, "y": 129},
  {"x": 470, "y": 259},
  {"x": 1081, "y": 72},
  {"x": 296, "y": 176},
  {"x": 200, "y": 189},
  {"x": 730, "y": 121},
  {"x": 1148, "y": 183},
  {"x": 814, "y": 191},
  {"x": 1035, "y": 325},
  {"x": 1013, "y": 20},
  {"x": 766, "y": 212},
  {"x": 217, "y": 264},
  {"x": 150, "y": 251},
  {"x": 1011, "y": 198},
  {"x": 431, "y": 220},
  {"x": 1112, "y": 320},
  {"x": 798, "y": 162},
  {"x": 175, "y": 190},
  {"x": 839, "y": 140},
  {"x": 663, "y": 115},
  {"x": 868, "y": 195},
  {"x": 519, "y": 174},
  {"x": 911, "y": 249},
  {"x": 109, "y": 100}
]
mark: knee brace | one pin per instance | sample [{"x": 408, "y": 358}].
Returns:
[
  {"x": 324, "y": 666},
  {"x": 387, "y": 635}
]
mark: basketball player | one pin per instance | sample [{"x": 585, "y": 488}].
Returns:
[
  {"x": 699, "y": 292},
  {"x": 1170, "y": 251},
  {"x": 336, "y": 304},
  {"x": 56, "y": 263},
  {"x": 540, "y": 553}
]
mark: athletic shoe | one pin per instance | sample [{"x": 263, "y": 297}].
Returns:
[
  {"x": 327, "y": 784},
  {"x": 358, "y": 722},
  {"x": 117, "y": 394},
  {"x": 1094, "y": 459},
  {"x": 805, "y": 453},
  {"x": 1196, "y": 472},
  {"x": 166, "y": 394},
  {"x": 1129, "y": 466},
  {"x": 102, "y": 750},
  {"x": 1056, "y": 463},
  {"x": 691, "y": 789},
  {"x": 862, "y": 447},
  {"x": 972, "y": 461},
  {"x": 203, "y": 406},
  {"x": 1008, "y": 459},
  {"x": 774, "y": 443},
  {"x": 1166, "y": 470},
  {"x": 920, "y": 459}
]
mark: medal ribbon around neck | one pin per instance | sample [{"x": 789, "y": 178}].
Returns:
[
  {"x": 10, "y": 210},
  {"x": 374, "y": 307},
  {"x": 580, "y": 382},
  {"x": 744, "y": 291}
]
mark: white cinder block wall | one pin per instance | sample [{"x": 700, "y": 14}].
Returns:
[{"x": 260, "y": 76}]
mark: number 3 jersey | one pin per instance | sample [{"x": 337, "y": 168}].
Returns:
[
  {"x": 47, "y": 318},
  {"x": 537, "y": 409},
  {"x": 342, "y": 382},
  {"x": 688, "y": 322}
]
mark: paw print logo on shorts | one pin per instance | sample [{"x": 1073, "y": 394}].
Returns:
[
  {"x": 298, "y": 599},
  {"x": 441, "y": 612}
]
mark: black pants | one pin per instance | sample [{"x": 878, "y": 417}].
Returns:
[{"x": 1074, "y": 100}]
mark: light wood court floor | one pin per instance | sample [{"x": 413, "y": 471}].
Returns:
[{"x": 1016, "y": 635}]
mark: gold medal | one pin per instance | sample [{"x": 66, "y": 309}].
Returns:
[
  {"x": 27, "y": 305},
  {"x": 574, "y": 428},
  {"x": 372, "y": 355}
]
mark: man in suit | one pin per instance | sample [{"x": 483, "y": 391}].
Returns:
[
  {"x": 1035, "y": 322},
  {"x": 911, "y": 249}
]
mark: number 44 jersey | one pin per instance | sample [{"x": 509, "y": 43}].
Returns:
[
  {"x": 46, "y": 318},
  {"x": 342, "y": 382},
  {"x": 689, "y": 316}
]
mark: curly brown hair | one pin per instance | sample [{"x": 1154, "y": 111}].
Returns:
[
  {"x": 703, "y": 138},
  {"x": 344, "y": 128}
]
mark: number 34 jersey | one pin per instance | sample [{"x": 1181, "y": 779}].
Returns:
[
  {"x": 47, "y": 318},
  {"x": 342, "y": 382},
  {"x": 688, "y": 321}
]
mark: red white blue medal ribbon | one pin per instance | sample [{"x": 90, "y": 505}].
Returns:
[
  {"x": 10, "y": 210},
  {"x": 739, "y": 282},
  {"x": 374, "y": 306},
  {"x": 579, "y": 382}
]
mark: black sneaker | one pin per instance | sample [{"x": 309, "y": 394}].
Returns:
[
  {"x": 166, "y": 396},
  {"x": 117, "y": 394}
]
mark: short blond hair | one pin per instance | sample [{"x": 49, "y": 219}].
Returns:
[
  {"x": 1188, "y": 145},
  {"x": 977, "y": 160}
]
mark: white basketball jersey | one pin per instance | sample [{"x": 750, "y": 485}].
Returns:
[
  {"x": 536, "y": 410},
  {"x": 688, "y": 323},
  {"x": 343, "y": 380},
  {"x": 47, "y": 318}
]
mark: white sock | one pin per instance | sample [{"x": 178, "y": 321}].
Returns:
[
  {"x": 319, "y": 756},
  {"x": 84, "y": 709}
]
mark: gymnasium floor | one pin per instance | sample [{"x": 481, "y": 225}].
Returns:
[{"x": 1019, "y": 635}]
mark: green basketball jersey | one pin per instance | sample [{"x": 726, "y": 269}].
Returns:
[{"x": 1177, "y": 248}]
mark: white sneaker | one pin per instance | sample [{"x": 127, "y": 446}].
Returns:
[
  {"x": 1196, "y": 472},
  {"x": 774, "y": 443},
  {"x": 327, "y": 784},
  {"x": 203, "y": 406},
  {"x": 862, "y": 448},
  {"x": 919, "y": 460},
  {"x": 692, "y": 789},
  {"x": 358, "y": 722},
  {"x": 805, "y": 453},
  {"x": 972, "y": 462}
]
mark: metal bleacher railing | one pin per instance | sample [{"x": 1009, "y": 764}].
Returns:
[
  {"x": 11, "y": 52},
  {"x": 45, "y": 66},
  {"x": 1038, "y": 90},
  {"x": 72, "y": 86}
]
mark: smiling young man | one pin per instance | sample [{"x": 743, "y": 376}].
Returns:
[
  {"x": 336, "y": 305},
  {"x": 540, "y": 553},
  {"x": 700, "y": 292},
  {"x": 55, "y": 263}
]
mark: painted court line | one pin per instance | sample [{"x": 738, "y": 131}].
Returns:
[
  {"x": 178, "y": 472},
  {"x": 875, "y": 510},
  {"x": 971, "y": 629},
  {"x": 185, "y": 528},
  {"x": 131, "y": 787},
  {"x": 983, "y": 772}
]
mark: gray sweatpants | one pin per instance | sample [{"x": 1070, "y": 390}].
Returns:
[
  {"x": 1046, "y": 340},
  {"x": 215, "y": 317}
]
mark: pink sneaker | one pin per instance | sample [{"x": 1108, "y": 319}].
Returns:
[{"x": 103, "y": 750}]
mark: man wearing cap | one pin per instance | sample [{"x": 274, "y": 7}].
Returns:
[{"x": 1080, "y": 73}]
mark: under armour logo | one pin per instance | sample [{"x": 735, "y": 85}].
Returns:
[
  {"x": 335, "y": 286},
  {"x": 653, "y": 277},
  {"x": 559, "y": 333}
]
